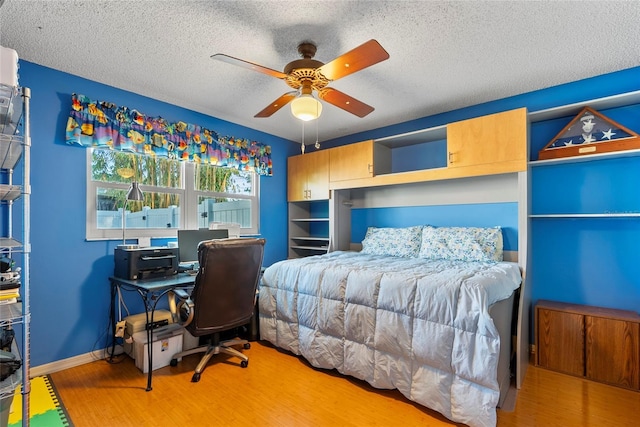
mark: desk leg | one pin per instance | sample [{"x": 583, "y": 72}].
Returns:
[
  {"x": 114, "y": 289},
  {"x": 149, "y": 341},
  {"x": 150, "y": 303},
  {"x": 147, "y": 307}
]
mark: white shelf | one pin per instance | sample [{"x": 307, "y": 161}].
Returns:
[
  {"x": 586, "y": 158},
  {"x": 10, "y": 314},
  {"x": 607, "y": 102},
  {"x": 311, "y": 239},
  {"x": 10, "y": 109},
  {"x": 420, "y": 136},
  {"x": 310, "y": 219},
  {"x": 10, "y": 150},
  {"x": 591, "y": 215},
  {"x": 9, "y": 192},
  {"x": 311, "y": 248},
  {"x": 8, "y": 242}
]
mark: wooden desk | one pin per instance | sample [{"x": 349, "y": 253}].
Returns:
[{"x": 150, "y": 290}]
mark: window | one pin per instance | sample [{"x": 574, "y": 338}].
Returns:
[{"x": 176, "y": 195}]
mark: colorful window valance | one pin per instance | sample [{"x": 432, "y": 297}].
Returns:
[{"x": 103, "y": 124}]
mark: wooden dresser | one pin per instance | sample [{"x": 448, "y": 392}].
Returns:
[{"x": 599, "y": 344}]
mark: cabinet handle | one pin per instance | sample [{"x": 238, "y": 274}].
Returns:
[
  {"x": 370, "y": 168},
  {"x": 309, "y": 194},
  {"x": 450, "y": 157}
]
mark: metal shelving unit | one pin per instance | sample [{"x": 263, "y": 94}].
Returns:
[{"x": 15, "y": 144}]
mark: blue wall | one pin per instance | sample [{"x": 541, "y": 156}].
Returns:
[
  {"x": 504, "y": 215},
  {"x": 69, "y": 286}
]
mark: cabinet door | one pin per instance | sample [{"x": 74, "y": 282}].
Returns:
[
  {"x": 308, "y": 176},
  {"x": 351, "y": 161},
  {"x": 316, "y": 165},
  {"x": 489, "y": 140},
  {"x": 612, "y": 351},
  {"x": 296, "y": 179},
  {"x": 561, "y": 341}
]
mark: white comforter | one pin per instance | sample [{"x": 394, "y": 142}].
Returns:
[{"x": 417, "y": 325}]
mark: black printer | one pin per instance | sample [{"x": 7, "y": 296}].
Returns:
[{"x": 145, "y": 263}]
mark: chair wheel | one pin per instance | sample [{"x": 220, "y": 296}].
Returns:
[
  {"x": 195, "y": 378},
  {"x": 244, "y": 363},
  {"x": 174, "y": 362},
  {"x": 247, "y": 346}
]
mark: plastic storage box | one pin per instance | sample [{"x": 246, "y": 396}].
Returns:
[{"x": 166, "y": 343}]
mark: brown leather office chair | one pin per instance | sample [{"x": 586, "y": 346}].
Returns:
[{"x": 223, "y": 297}]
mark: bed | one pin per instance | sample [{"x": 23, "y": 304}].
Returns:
[{"x": 424, "y": 310}]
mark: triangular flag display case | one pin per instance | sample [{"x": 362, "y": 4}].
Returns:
[{"x": 589, "y": 133}]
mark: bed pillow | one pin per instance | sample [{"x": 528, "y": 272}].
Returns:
[
  {"x": 461, "y": 243},
  {"x": 399, "y": 242}
]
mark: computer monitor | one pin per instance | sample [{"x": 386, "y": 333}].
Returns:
[{"x": 188, "y": 242}]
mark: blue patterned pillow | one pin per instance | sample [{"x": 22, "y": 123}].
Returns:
[
  {"x": 462, "y": 243},
  {"x": 400, "y": 242}
]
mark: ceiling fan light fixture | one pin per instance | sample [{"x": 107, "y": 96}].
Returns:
[{"x": 305, "y": 107}]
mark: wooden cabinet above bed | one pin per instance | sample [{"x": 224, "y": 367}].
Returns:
[
  {"x": 496, "y": 142},
  {"x": 487, "y": 145},
  {"x": 308, "y": 176},
  {"x": 359, "y": 160}
]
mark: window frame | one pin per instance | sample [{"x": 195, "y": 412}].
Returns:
[{"x": 188, "y": 205}]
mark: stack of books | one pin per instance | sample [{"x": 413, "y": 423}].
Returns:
[{"x": 9, "y": 287}]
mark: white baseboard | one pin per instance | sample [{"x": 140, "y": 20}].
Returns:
[{"x": 72, "y": 362}]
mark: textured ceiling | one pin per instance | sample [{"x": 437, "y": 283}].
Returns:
[{"x": 443, "y": 54}]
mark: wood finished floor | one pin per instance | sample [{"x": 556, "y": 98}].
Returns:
[{"x": 280, "y": 389}]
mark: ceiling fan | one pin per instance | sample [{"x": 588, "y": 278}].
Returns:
[{"x": 307, "y": 75}]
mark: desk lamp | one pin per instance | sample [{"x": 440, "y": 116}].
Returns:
[{"x": 134, "y": 193}]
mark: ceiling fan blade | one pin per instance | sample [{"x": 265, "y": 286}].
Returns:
[
  {"x": 357, "y": 59},
  {"x": 344, "y": 101},
  {"x": 277, "y": 104},
  {"x": 249, "y": 65}
]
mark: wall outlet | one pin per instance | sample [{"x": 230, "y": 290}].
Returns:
[{"x": 120, "y": 328}]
